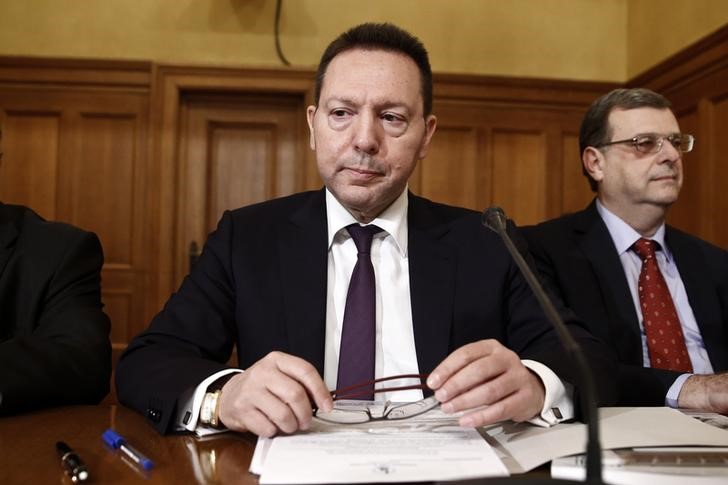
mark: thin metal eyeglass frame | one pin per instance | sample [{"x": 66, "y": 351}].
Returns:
[
  {"x": 685, "y": 140},
  {"x": 369, "y": 387},
  {"x": 390, "y": 412}
]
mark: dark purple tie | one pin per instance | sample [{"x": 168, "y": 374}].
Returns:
[{"x": 358, "y": 334}]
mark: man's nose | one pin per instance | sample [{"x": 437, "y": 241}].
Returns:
[
  {"x": 668, "y": 153},
  {"x": 367, "y": 135}
]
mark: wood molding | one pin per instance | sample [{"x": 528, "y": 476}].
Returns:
[
  {"x": 536, "y": 92},
  {"x": 699, "y": 60},
  {"x": 95, "y": 73}
]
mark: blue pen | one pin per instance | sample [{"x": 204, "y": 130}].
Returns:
[{"x": 116, "y": 441}]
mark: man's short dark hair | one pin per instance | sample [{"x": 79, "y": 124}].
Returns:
[
  {"x": 387, "y": 37},
  {"x": 595, "y": 128}
]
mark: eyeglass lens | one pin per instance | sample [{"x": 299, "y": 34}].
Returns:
[
  {"x": 365, "y": 412},
  {"x": 651, "y": 143}
]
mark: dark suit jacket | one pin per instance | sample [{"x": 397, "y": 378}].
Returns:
[
  {"x": 576, "y": 256},
  {"x": 54, "y": 336},
  {"x": 261, "y": 281}
]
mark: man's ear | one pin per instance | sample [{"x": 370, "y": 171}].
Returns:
[
  {"x": 430, "y": 126},
  {"x": 310, "y": 113},
  {"x": 593, "y": 161}
]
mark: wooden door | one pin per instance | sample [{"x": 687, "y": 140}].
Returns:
[{"x": 234, "y": 150}]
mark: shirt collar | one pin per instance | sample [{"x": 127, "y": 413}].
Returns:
[
  {"x": 393, "y": 220},
  {"x": 624, "y": 236}
]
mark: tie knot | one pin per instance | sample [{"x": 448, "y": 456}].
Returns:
[
  {"x": 362, "y": 236},
  {"x": 645, "y": 248}
]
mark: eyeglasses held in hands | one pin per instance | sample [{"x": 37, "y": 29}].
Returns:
[
  {"x": 652, "y": 142},
  {"x": 356, "y": 413}
]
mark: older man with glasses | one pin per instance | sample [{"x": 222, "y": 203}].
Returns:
[{"x": 657, "y": 295}]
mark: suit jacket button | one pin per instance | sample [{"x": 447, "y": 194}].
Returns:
[{"x": 154, "y": 415}]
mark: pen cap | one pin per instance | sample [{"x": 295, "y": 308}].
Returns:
[
  {"x": 145, "y": 463},
  {"x": 112, "y": 439}
]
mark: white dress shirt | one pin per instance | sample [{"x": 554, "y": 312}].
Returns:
[{"x": 624, "y": 236}]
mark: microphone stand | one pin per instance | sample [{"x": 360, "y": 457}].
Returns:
[{"x": 495, "y": 219}]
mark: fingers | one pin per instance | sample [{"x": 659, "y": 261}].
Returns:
[
  {"x": 705, "y": 392},
  {"x": 485, "y": 373},
  {"x": 308, "y": 376},
  {"x": 274, "y": 395}
]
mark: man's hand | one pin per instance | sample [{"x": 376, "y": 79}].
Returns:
[
  {"x": 274, "y": 395},
  {"x": 487, "y": 373},
  {"x": 706, "y": 393}
]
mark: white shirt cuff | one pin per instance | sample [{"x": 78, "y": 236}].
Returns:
[
  {"x": 558, "y": 403},
  {"x": 674, "y": 392},
  {"x": 189, "y": 409}
]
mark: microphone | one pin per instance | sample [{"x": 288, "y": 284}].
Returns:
[{"x": 495, "y": 219}]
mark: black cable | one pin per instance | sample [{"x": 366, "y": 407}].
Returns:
[{"x": 276, "y": 30}]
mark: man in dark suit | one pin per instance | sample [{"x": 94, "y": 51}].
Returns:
[
  {"x": 632, "y": 151},
  {"x": 54, "y": 335},
  {"x": 273, "y": 280}
]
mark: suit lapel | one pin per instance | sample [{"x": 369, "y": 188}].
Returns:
[
  {"x": 303, "y": 256},
  {"x": 694, "y": 273},
  {"x": 432, "y": 273},
  {"x": 8, "y": 235},
  {"x": 594, "y": 240}
]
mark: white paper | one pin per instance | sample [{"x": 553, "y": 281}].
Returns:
[
  {"x": 527, "y": 447},
  {"x": 614, "y": 472},
  {"x": 425, "y": 448}
]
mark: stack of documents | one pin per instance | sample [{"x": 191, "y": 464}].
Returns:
[
  {"x": 654, "y": 457},
  {"x": 432, "y": 447},
  {"x": 648, "y": 466}
]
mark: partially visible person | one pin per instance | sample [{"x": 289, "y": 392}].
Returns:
[
  {"x": 667, "y": 322},
  {"x": 54, "y": 335}
]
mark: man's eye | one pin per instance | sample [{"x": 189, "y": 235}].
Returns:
[
  {"x": 645, "y": 143},
  {"x": 391, "y": 117},
  {"x": 339, "y": 112},
  {"x": 676, "y": 141}
]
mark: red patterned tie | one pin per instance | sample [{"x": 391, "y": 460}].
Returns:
[{"x": 665, "y": 340}]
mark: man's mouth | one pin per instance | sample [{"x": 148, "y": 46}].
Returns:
[
  {"x": 362, "y": 172},
  {"x": 664, "y": 177}
]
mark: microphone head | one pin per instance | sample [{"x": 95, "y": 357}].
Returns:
[{"x": 494, "y": 219}]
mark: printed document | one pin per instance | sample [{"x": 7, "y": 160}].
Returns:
[{"x": 423, "y": 448}]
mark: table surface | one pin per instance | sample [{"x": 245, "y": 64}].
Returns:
[{"x": 28, "y": 453}]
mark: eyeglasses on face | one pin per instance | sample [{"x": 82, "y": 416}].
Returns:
[
  {"x": 652, "y": 142},
  {"x": 355, "y": 413}
]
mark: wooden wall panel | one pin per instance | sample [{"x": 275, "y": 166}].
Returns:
[
  {"x": 28, "y": 176},
  {"x": 519, "y": 175},
  {"x": 515, "y": 151},
  {"x": 450, "y": 171},
  {"x": 575, "y": 190},
  {"x": 686, "y": 212},
  {"x": 242, "y": 166},
  {"x": 719, "y": 175},
  {"x": 102, "y": 184}
]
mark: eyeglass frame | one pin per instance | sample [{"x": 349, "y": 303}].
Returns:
[
  {"x": 659, "y": 139},
  {"x": 346, "y": 393},
  {"x": 368, "y": 387}
]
